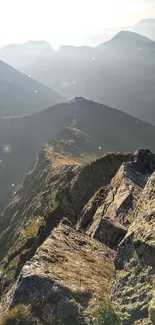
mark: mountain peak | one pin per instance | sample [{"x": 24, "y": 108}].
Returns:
[
  {"x": 126, "y": 35},
  {"x": 146, "y": 22},
  {"x": 37, "y": 43},
  {"x": 129, "y": 40}
]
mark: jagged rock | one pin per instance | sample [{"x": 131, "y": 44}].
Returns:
[
  {"x": 135, "y": 262},
  {"x": 75, "y": 195},
  {"x": 90, "y": 208},
  {"x": 32, "y": 212},
  {"x": 108, "y": 231},
  {"x": 144, "y": 161},
  {"x": 56, "y": 186},
  {"x": 152, "y": 311},
  {"x": 69, "y": 276},
  {"x": 66, "y": 222},
  {"x": 110, "y": 212}
]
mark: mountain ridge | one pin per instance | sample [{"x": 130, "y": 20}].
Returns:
[
  {"x": 21, "y": 138},
  {"x": 46, "y": 261},
  {"x": 123, "y": 34}
]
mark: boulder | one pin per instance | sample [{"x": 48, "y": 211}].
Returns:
[
  {"x": 108, "y": 231},
  {"x": 67, "y": 279}
]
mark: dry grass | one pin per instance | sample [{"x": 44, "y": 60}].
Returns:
[
  {"x": 58, "y": 158},
  {"x": 81, "y": 263},
  {"x": 20, "y": 315}
]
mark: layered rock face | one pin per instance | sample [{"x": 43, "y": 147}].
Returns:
[
  {"x": 110, "y": 211},
  {"x": 135, "y": 261},
  {"x": 75, "y": 236}
]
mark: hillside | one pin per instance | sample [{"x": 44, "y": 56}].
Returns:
[
  {"x": 21, "y": 95},
  {"x": 78, "y": 237},
  {"x": 92, "y": 129}
]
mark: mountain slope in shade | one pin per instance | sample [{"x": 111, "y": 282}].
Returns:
[
  {"x": 92, "y": 129},
  {"x": 21, "y": 95}
]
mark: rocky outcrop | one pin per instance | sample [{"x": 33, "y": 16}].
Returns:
[
  {"x": 32, "y": 212},
  {"x": 110, "y": 212},
  {"x": 135, "y": 263},
  {"x": 74, "y": 236},
  {"x": 108, "y": 231},
  {"x": 66, "y": 279},
  {"x": 56, "y": 186},
  {"x": 152, "y": 311},
  {"x": 75, "y": 195}
]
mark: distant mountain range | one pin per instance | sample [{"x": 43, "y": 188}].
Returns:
[
  {"x": 23, "y": 54},
  {"x": 119, "y": 73},
  {"x": 85, "y": 128},
  {"x": 20, "y": 94},
  {"x": 146, "y": 27}
]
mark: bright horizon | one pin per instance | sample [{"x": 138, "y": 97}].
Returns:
[{"x": 68, "y": 21}]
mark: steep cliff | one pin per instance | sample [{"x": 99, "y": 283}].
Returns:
[
  {"x": 135, "y": 263},
  {"x": 33, "y": 211},
  {"x": 76, "y": 235},
  {"x": 55, "y": 186},
  {"x": 110, "y": 211}
]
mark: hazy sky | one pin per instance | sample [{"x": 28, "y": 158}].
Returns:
[{"x": 67, "y": 21}]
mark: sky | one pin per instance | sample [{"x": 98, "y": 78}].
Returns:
[{"x": 68, "y": 21}]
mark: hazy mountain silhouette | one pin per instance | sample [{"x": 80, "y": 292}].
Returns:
[
  {"x": 19, "y": 55},
  {"x": 119, "y": 73},
  {"x": 103, "y": 128},
  {"x": 20, "y": 94},
  {"x": 130, "y": 41},
  {"x": 146, "y": 27}
]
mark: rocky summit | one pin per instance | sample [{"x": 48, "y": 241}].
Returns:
[{"x": 77, "y": 240}]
